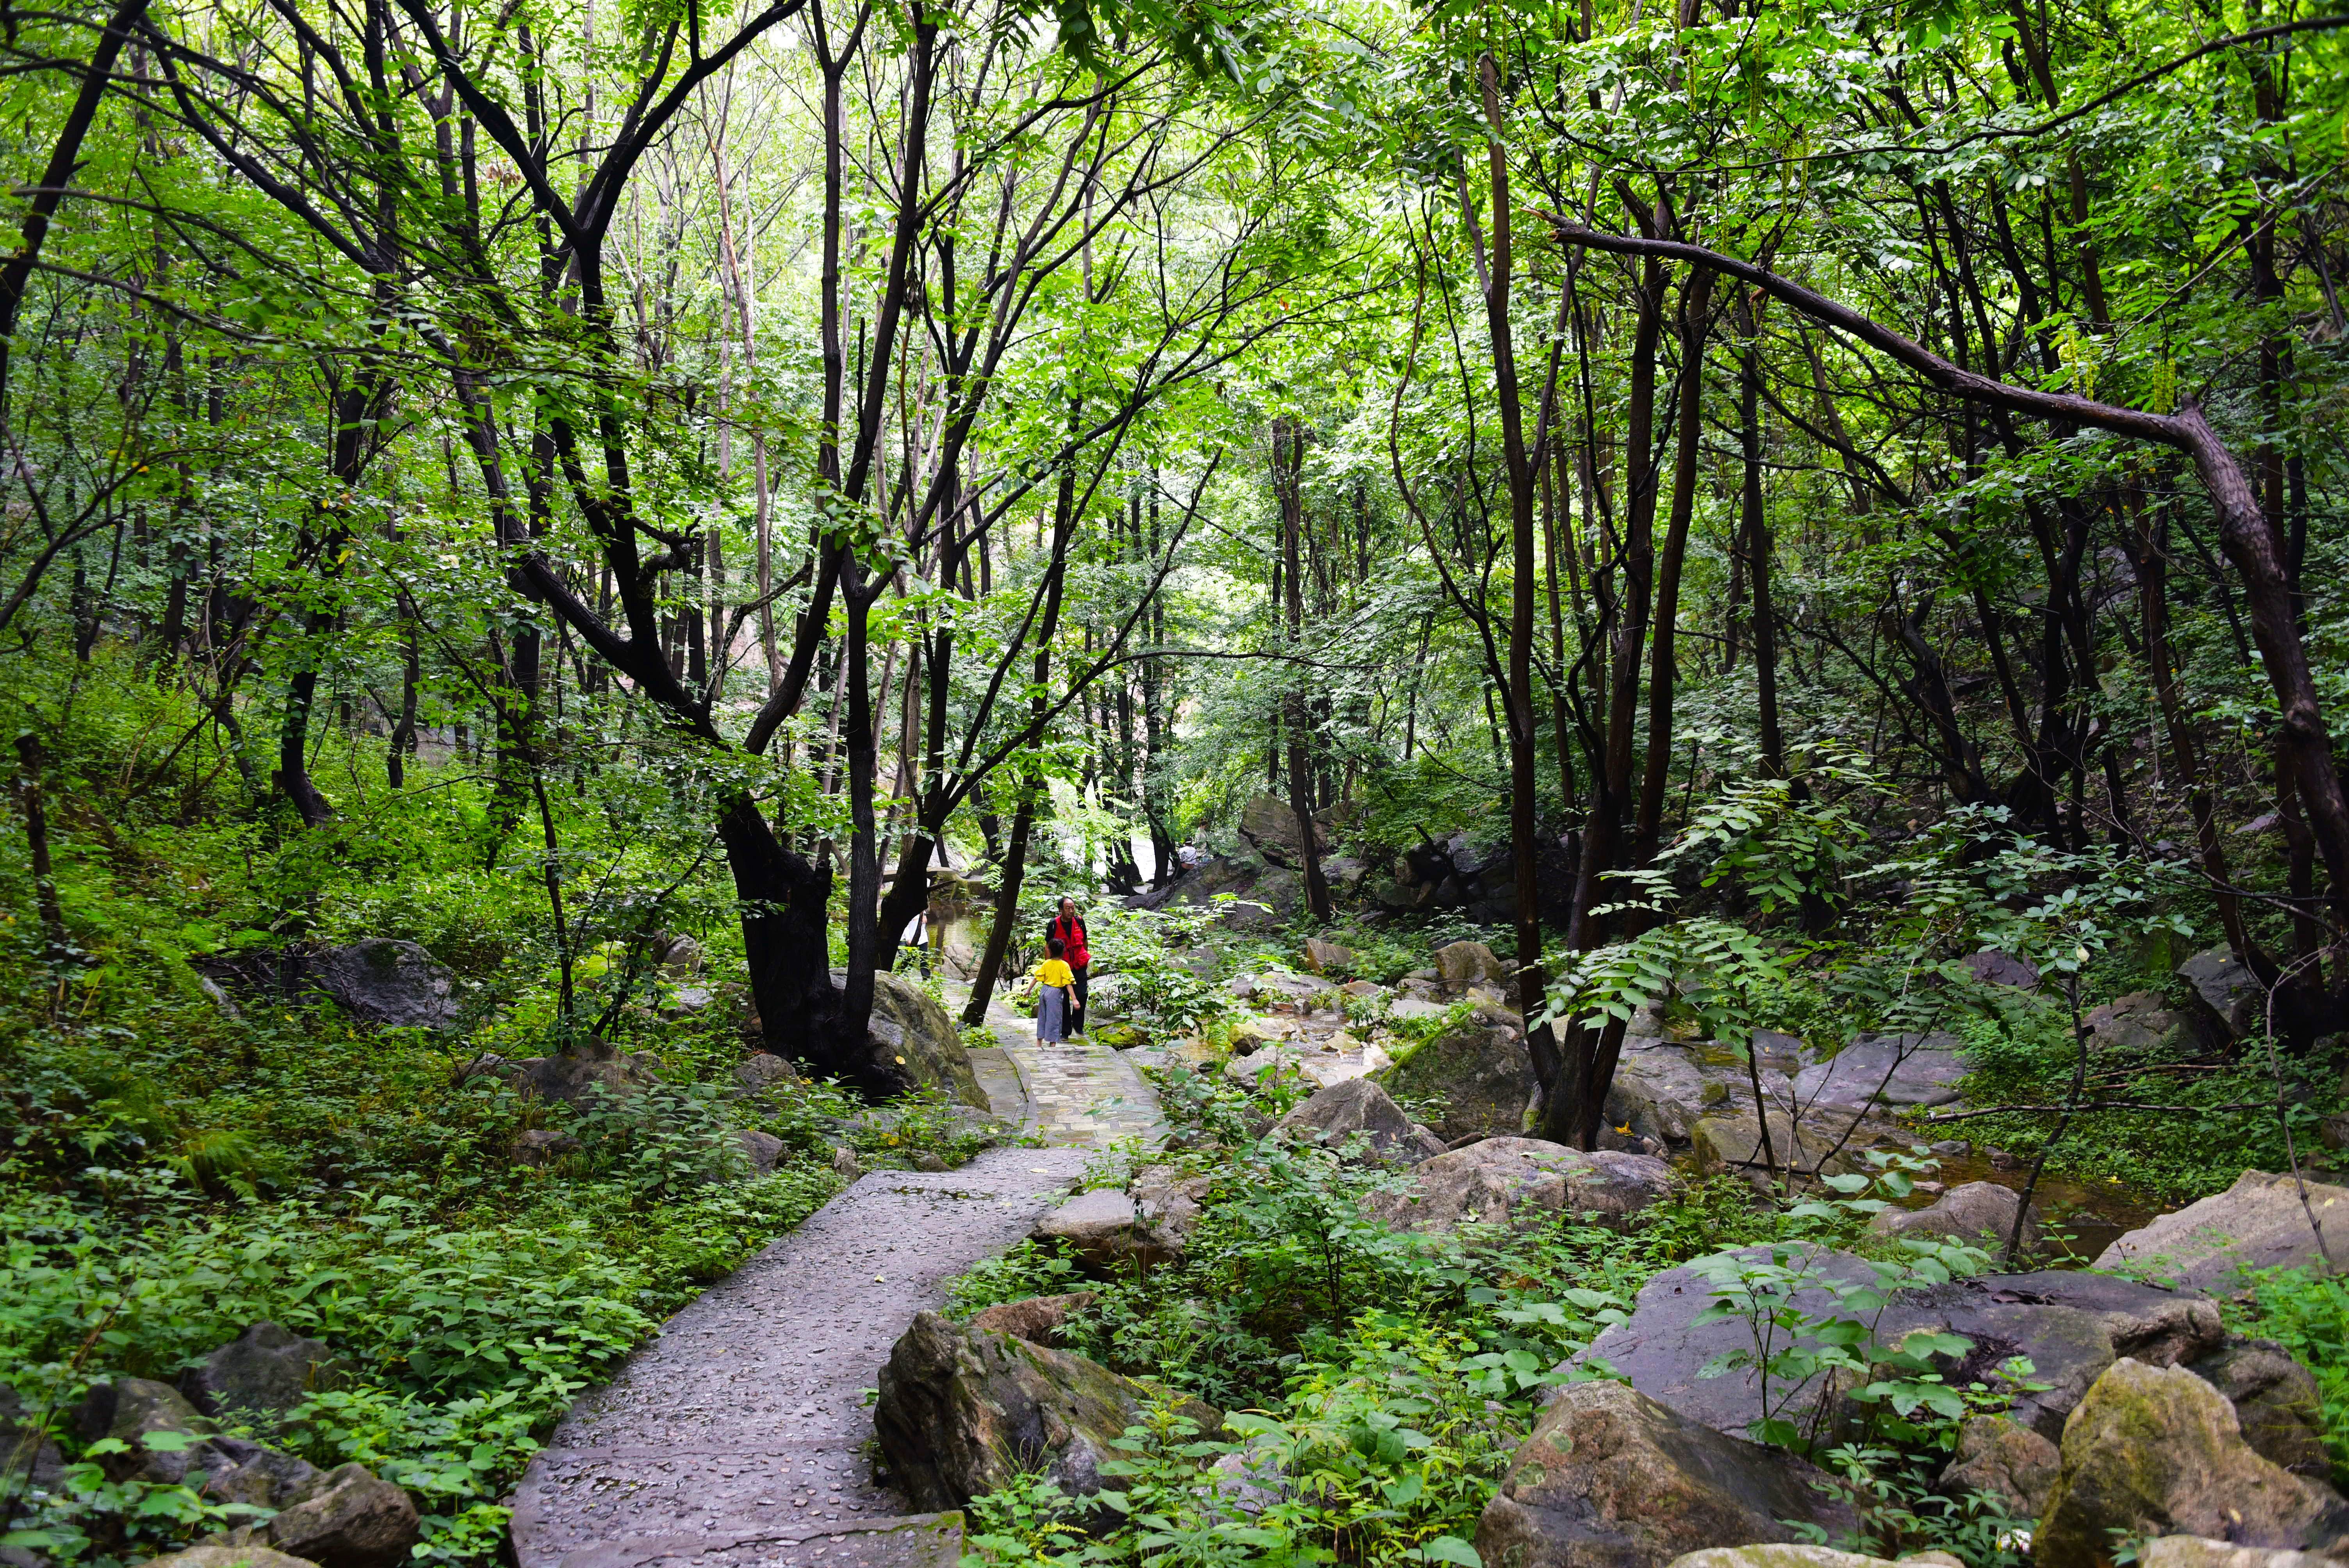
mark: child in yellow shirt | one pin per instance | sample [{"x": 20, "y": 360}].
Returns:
[{"x": 1053, "y": 976}]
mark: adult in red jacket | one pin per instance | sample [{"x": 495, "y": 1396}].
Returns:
[{"x": 1070, "y": 929}]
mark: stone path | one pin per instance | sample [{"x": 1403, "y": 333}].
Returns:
[{"x": 739, "y": 1435}]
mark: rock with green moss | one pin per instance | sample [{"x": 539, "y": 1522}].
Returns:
[
  {"x": 914, "y": 1044},
  {"x": 1475, "y": 1080},
  {"x": 1520, "y": 1182},
  {"x": 2157, "y": 1450},
  {"x": 2000, "y": 1458},
  {"x": 963, "y": 1412},
  {"x": 2259, "y": 1222},
  {"x": 2275, "y": 1400},
  {"x": 1611, "y": 1479},
  {"x": 215, "y": 1556},
  {"x": 2199, "y": 1552}
]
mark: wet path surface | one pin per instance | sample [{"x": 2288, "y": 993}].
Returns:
[{"x": 739, "y": 1435}]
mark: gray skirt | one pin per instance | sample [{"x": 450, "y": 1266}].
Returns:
[{"x": 1052, "y": 1014}]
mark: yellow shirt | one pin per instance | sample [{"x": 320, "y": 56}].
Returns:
[{"x": 1054, "y": 972}]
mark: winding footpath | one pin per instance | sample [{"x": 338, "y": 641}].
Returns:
[{"x": 740, "y": 1437}]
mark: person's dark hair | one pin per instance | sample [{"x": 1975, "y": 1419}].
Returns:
[{"x": 1052, "y": 945}]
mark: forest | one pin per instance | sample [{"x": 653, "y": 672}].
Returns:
[{"x": 579, "y": 581}]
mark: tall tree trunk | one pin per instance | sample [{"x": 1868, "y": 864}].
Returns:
[
  {"x": 1288, "y": 462},
  {"x": 1696, "y": 310},
  {"x": 1754, "y": 531}
]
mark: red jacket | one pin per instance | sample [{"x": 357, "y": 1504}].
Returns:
[{"x": 1072, "y": 932}]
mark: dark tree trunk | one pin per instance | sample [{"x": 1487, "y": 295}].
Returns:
[{"x": 1288, "y": 461}]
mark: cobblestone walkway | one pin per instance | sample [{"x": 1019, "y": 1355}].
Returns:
[{"x": 739, "y": 1438}]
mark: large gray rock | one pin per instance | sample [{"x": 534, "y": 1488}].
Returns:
[
  {"x": 914, "y": 1044},
  {"x": 1040, "y": 1319},
  {"x": 1982, "y": 1212},
  {"x": 1821, "y": 1140},
  {"x": 2276, "y": 1402},
  {"x": 26, "y": 1450},
  {"x": 1520, "y": 1182},
  {"x": 763, "y": 1150},
  {"x": 2004, "y": 1458},
  {"x": 2072, "y": 1325},
  {"x": 2259, "y": 1222},
  {"x": 1323, "y": 956},
  {"x": 1109, "y": 1232},
  {"x": 348, "y": 1518},
  {"x": 387, "y": 982},
  {"x": 1792, "y": 1554},
  {"x": 1885, "y": 1069},
  {"x": 1663, "y": 1087},
  {"x": 1169, "y": 1199},
  {"x": 591, "y": 1067},
  {"x": 1611, "y": 1479},
  {"x": 1461, "y": 964},
  {"x": 128, "y": 1409},
  {"x": 228, "y": 1557},
  {"x": 1277, "y": 992},
  {"x": 2142, "y": 1021},
  {"x": 2155, "y": 1451},
  {"x": 1478, "y": 1077},
  {"x": 2231, "y": 992},
  {"x": 963, "y": 1413},
  {"x": 1267, "y": 823},
  {"x": 2200, "y": 1551},
  {"x": 1336, "y": 1115},
  {"x": 264, "y": 1371},
  {"x": 763, "y": 1072}
]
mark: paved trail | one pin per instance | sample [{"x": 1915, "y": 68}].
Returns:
[{"x": 738, "y": 1436}]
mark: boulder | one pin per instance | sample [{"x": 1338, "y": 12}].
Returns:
[
  {"x": 2156, "y": 1451},
  {"x": 348, "y": 1518},
  {"x": 574, "y": 1075},
  {"x": 1478, "y": 1076},
  {"x": 1822, "y": 1139},
  {"x": 1611, "y": 1479},
  {"x": 1978, "y": 1211},
  {"x": 126, "y": 1409},
  {"x": 964, "y": 1412},
  {"x": 264, "y": 1371},
  {"x": 762, "y": 1148},
  {"x": 1267, "y": 824},
  {"x": 238, "y": 1470},
  {"x": 1885, "y": 1069},
  {"x": 1662, "y": 1087},
  {"x": 1992, "y": 967},
  {"x": 538, "y": 1147},
  {"x": 680, "y": 958},
  {"x": 26, "y": 1449},
  {"x": 1275, "y": 992},
  {"x": 385, "y": 982},
  {"x": 2257, "y": 1224},
  {"x": 1461, "y": 964},
  {"x": 2142, "y": 1021},
  {"x": 1108, "y": 1233},
  {"x": 228, "y": 1557},
  {"x": 2072, "y": 1326},
  {"x": 845, "y": 1163},
  {"x": 2004, "y": 1458},
  {"x": 1335, "y": 1115},
  {"x": 1169, "y": 1200},
  {"x": 1323, "y": 956},
  {"x": 2199, "y": 1552},
  {"x": 763, "y": 1072},
  {"x": 1519, "y": 1182},
  {"x": 2228, "y": 990},
  {"x": 1038, "y": 1320},
  {"x": 2276, "y": 1402},
  {"x": 1790, "y": 1555},
  {"x": 913, "y": 1044}
]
